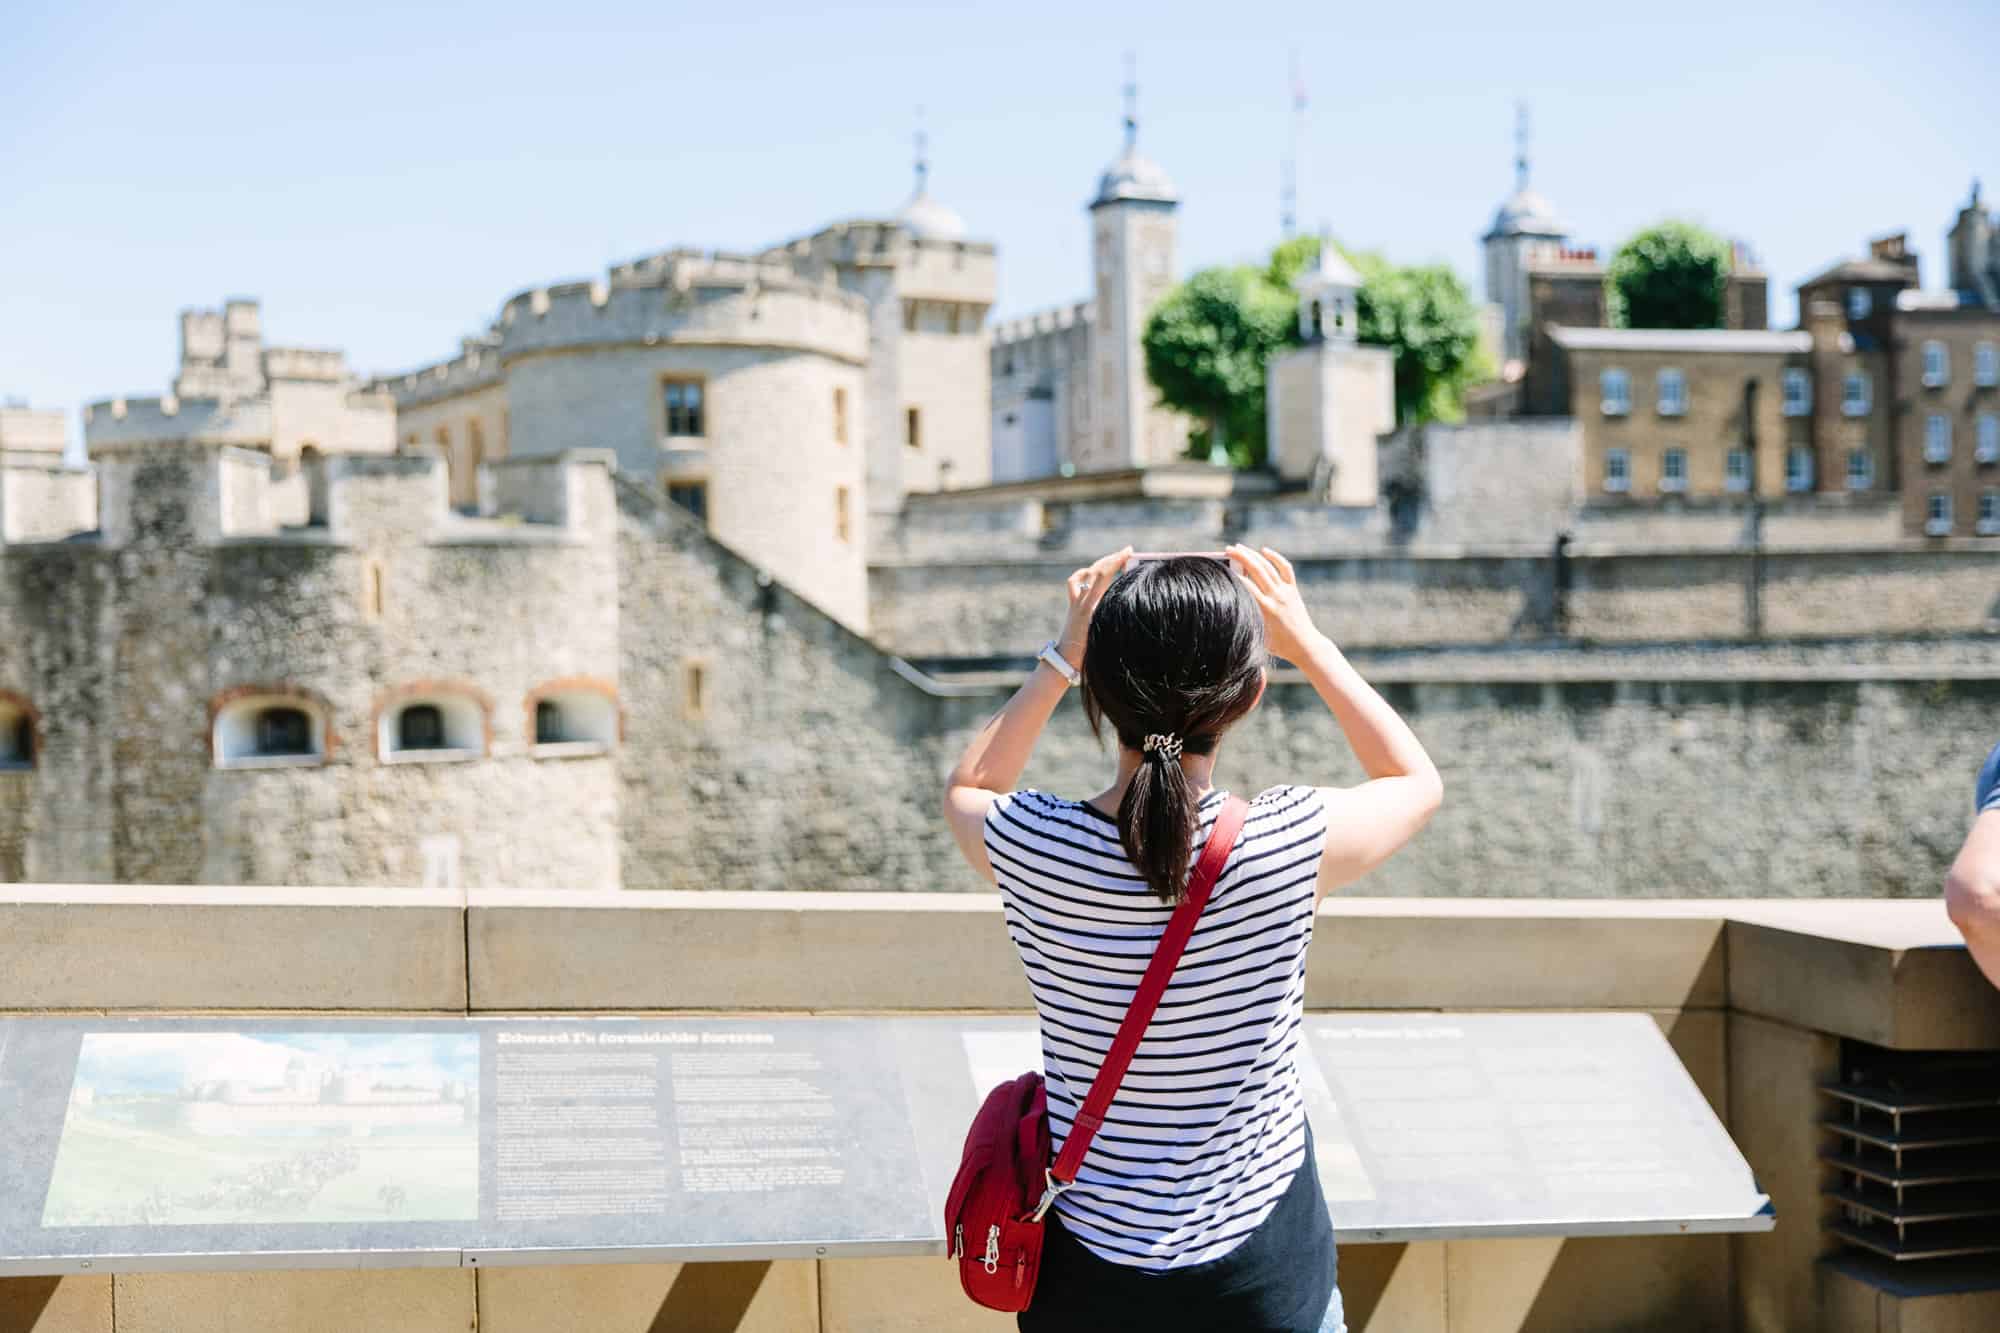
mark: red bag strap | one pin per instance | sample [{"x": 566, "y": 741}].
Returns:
[{"x": 1221, "y": 840}]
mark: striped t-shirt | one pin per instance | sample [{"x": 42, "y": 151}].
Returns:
[{"x": 1208, "y": 1126}]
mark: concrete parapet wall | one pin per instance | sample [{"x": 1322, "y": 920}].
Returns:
[
  {"x": 1877, "y": 970},
  {"x": 211, "y": 948},
  {"x": 1752, "y": 995}
]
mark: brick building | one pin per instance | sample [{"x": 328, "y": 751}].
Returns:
[
  {"x": 1882, "y": 390},
  {"x": 1946, "y": 359},
  {"x": 1693, "y": 414}
]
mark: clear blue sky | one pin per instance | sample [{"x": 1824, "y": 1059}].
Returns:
[{"x": 382, "y": 177}]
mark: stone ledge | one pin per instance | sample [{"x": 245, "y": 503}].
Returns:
[
  {"x": 1894, "y": 985},
  {"x": 1890, "y": 972},
  {"x": 149, "y": 949},
  {"x": 535, "y": 950}
]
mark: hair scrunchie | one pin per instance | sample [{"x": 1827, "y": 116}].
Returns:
[{"x": 1164, "y": 744}]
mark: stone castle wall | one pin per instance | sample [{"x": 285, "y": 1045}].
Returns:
[
  {"x": 817, "y": 761},
  {"x": 988, "y": 608},
  {"x": 766, "y": 746},
  {"x": 128, "y": 645}
]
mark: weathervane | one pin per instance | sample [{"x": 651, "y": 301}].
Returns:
[
  {"x": 1131, "y": 100},
  {"x": 1520, "y": 145}
]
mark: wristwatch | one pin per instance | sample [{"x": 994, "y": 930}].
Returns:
[{"x": 1054, "y": 658}]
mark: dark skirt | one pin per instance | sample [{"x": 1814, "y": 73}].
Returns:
[{"x": 1278, "y": 1280}]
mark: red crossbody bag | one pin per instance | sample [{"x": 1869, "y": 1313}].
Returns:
[{"x": 1006, "y": 1181}]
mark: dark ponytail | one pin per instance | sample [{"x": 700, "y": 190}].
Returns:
[{"x": 1175, "y": 656}]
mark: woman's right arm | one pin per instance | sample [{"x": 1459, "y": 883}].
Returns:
[{"x": 1368, "y": 823}]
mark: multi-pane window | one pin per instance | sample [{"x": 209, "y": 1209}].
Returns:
[
  {"x": 682, "y": 408},
  {"x": 1798, "y": 470},
  {"x": 1798, "y": 392},
  {"x": 1937, "y": 438},
  {"x": 1859, "y": 302},
  {"x": 691, "y": 496},
  {"x": 1674, "y": 470},
  {"x": 1615, "y": 388},
  {"x": 840, "y": 520},
  {"x": 1736, "y": 470},
  {"x": 913, "y": 428},
  {"x": 1860, "y": 470},
  {"x": 1989, "y": 513},
  {"x": 1937, "y": 514},
  {"x": 1673, "y": 388},
  {"x": 840, "y": 416},
  {"x": 1856, "y": 394},
  {"x": 1617, "y": 469},
  {"x": 1986, "y": 446},
  {"x": 1986, "y": 364},
  {"x": 1937, "y": 364}
]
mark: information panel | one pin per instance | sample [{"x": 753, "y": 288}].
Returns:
[
  {"x": 150, "y": 1144},
  {"x": 229, "y": 1143},
  {"x": 1444, "y": 1126}
]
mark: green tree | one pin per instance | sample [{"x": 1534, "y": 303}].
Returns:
[
  {"x": 1291, "y": 257},
  {"x": 1426, "y": 317},
  {"x": 1669, "y": 276},
  {"x": 1206, "y": 348}
]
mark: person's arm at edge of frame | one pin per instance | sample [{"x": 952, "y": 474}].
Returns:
[
  {"x": 994, "y": 760},
  {"x": 1972, "y": 893},
  {"x": 1367, "y": 823}
]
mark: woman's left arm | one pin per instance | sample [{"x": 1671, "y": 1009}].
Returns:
[{"x": 993, "y": 762}]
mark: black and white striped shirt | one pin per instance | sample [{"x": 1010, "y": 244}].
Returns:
[{"x": 1209, "y": 1125}]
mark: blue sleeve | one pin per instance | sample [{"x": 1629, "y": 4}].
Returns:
[{"x": 1987, "y": 795}]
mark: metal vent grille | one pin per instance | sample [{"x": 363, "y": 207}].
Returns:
[{"x": 1914, "y": 1140}]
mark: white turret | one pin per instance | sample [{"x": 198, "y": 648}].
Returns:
[{"x": 1327, "y": 294}]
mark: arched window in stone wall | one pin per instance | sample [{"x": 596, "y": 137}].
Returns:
[
  {"x": 18, "y": 726},
  {"x": 574, "y": 716},
  {"x": 432, "y": 722},
  {"x": 262, "y": 726}
]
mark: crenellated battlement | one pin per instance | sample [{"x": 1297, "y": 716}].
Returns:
[
  {"x": 325, "y": 364},
  {"x": 680, "y": 296},
  {"x": 477, "y": 366},
  {"x": 1042, "y": 323},
  {"x": 191, "y": 493},
  {"x": 169, "y": 419},
  {"x": 928, "y": 268},
  {"x": 872, "y": 240}
]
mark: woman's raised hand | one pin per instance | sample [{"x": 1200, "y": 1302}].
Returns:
[
  {"x": 1086, "y": 589},
  {"x": 1288, "y": 626}
]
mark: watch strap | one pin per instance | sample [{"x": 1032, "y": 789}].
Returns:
[{"x": 1053, "y": 656}]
